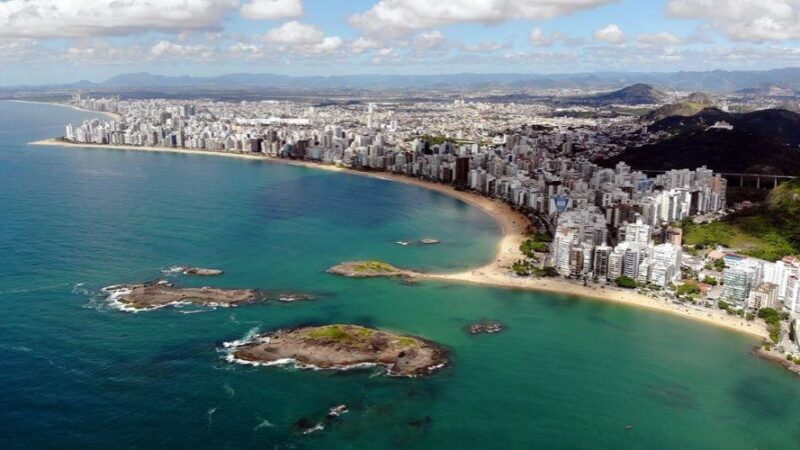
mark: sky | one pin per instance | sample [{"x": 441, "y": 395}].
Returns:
[{"x": 58, "y": 41}]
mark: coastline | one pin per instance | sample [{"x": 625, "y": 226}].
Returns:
[
  {"x": 497, "y": 272},
  {"x": 112, "y": 115}
]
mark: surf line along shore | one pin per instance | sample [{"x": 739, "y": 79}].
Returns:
[{"x": 497, "y": 273}]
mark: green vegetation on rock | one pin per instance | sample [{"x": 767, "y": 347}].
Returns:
[
  {"x": 339, "y": 332},
  {"x": 375, "y": 266},
  {"x": 769, "y": 232}
]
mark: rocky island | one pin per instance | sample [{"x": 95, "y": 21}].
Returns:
[
  {"x": 486, "y": 327},
  {"x": 342, "y": 347},
  {"x": 159, "y": 294},
  {"x": 370, "y": 269},
  {"x": 199, "y": 271}
]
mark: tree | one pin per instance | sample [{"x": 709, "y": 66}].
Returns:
[
  {"x": 530, "y": 247},
  {"x": 710, "y": 281},
  {"x": 723, "y": 305},
  {"x": 522, "y": 268},
  {"x": 626, "y": 282},
  {"x": 688, "y": 289},
  {"x": 770, "y": 315},
  {"x": 719, "y": 264},
  {"x": 550, "y": 272}
]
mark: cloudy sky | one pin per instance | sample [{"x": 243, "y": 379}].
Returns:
[{"x": 45, "y": 41}]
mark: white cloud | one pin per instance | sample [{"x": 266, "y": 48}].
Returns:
[
  {"x": 663, "y": 38},
  {"x": 484, "y": 47},
  {"x": 302, "y": 38},
  {"x": 171, "y": 50},
  {"x": 272, "y": 9},
  {"x": 404, "y": 16},
  {"x": 17, "y": 49},
  {"x": 386, "y": 55},
  {"x": 611, "y": 34},
  {"x": 100, "y": 54},
  {"x": 539, "y": 39},
  {"x": 328, "y": 45},
  {"x": 85, "y": 18},
  {"x": 429, "y": 40},
  {"x": 244, "y": 50},
  {"x": 744, "y": 20},
  {"x": 363, "y": 44},
  {"x": 295, "y": 32}
]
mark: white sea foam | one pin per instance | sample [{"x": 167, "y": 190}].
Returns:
[
  {"x": 173, "y": 270},
  {"x": 250, "y": 337},
  {"x": 228, "y": 390},
  {"x": 196, "y": 311},
  {"x": 16, "y": 348},
  {"x": 263, "y": 424},
  {"x": 295, "y": 364},
  {"x": 315, "y": 428}
]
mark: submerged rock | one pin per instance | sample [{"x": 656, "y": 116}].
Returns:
[
  {"x": 343, "y": 347},
  {"x": 291, "y": 298},
  {"x": 337, "y": 411},
  {"x": 430, "y": 241},
  {"x": 487, "y": 327}
]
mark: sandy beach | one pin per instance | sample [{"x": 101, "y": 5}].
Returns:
[
  {"x": 112, "y": 115},
  {"x": 497, "y": 273}
]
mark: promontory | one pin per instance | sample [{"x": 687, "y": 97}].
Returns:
[{"x": 343, "y": 347}]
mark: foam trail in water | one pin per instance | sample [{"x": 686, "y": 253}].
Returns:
[
  {"x": 263, "y": 424},
  {"x": 210, "y": 414}
]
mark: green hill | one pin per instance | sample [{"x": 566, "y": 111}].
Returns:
[{"x": 770, "y": 232}]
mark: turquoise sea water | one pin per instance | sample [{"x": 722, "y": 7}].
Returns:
[{"x": 568, "y": 373}]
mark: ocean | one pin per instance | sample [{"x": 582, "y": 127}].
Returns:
[{"x": 568, "y": 373}]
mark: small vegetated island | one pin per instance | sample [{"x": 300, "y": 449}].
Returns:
[
  {"x": 159, "y": 294},
  {"x": 370, "y": 269},
  {"x": 342, "y": 347}
]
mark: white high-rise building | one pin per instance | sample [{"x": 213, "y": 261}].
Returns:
[{"x": 638, "y": 232}]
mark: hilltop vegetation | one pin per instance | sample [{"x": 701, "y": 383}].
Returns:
[
  {"x": 770, "y": 232},
  {"x": 637, "y": 94},
  {"x": 687, "y": 107}
]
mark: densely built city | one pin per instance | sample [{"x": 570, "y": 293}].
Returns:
[{"x": 596, "y": 225}]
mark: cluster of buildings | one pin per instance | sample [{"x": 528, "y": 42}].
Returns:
[
  {"x": 755, "y": 284},
  {"x": 623, "y": 226},
  {"x": 607, "y": 222}
]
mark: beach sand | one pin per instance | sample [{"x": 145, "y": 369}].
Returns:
[
  {"x": 497, "y": 273},
  {"x": 112, "y": 115}
]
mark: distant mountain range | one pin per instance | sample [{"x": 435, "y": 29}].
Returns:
[{"x": 778, "y": 81}]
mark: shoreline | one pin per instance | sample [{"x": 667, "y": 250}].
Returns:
[
  {"x": 112, "y": 115},
  {"x": 497, "y": 272}
]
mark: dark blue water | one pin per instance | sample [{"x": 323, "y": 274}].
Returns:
[{"x": 76, "y": 373}]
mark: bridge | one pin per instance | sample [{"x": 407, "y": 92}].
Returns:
[{"x": 774, "y": 180}]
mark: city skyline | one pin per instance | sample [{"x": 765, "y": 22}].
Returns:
[{"x": 44, "y": 41}]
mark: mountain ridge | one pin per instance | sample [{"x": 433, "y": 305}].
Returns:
[{"x": 716, "y": 80}]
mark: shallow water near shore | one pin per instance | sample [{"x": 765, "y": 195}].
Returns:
[{"x": 567, "y": 373}]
